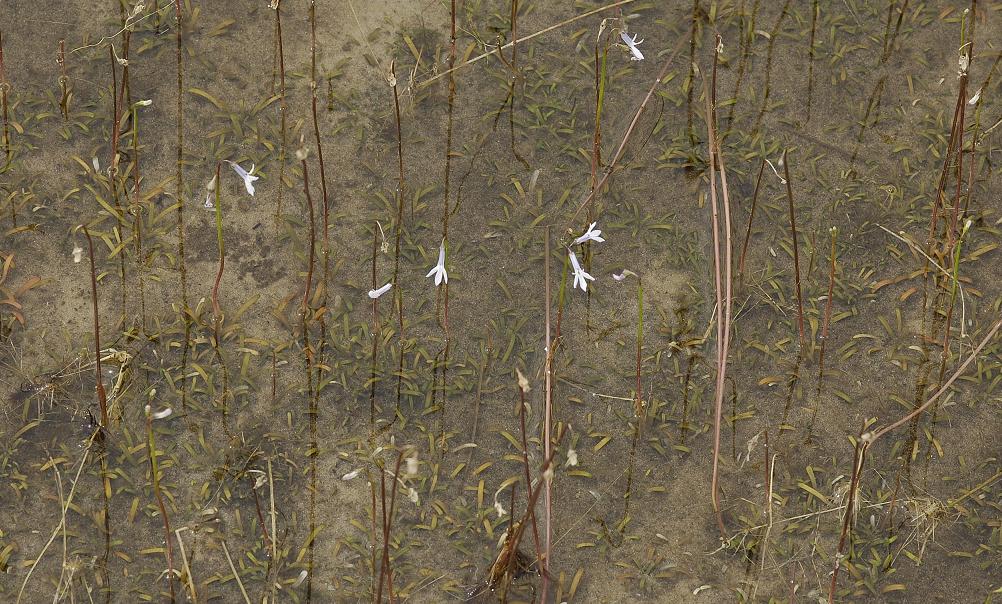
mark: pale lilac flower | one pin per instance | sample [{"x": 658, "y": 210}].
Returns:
[
  {"x": 375, "y": 293},
  {"x": 592, "y": 234},
  {"x": 439, "y": 269},
  {"x": 624, "y": 274},
  {"x": 159, "y": 414},
  {"x": 581, "y": 278},
  {"x": 632, "y": 44},
  {"x": 246, "y": 175}
]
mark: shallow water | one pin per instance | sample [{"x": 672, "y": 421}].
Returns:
[{"x": 286, "y": 427}]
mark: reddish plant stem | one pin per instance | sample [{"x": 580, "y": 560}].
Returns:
[
  {"x": 399, "y": 230},
  {"x": 385, "y": 569},
  {"x": 868, "y": 439},
  {"x": 155, "y": 478},
  {"x": 282, "y": 107},
  {"x": 722, "y": 281},
  {"x": 547, "y": 419},
  {"x": 751, "y": 218},
  {"x": 796, "y": 252},
  {"x": 102, "y": 397},
  {"x": 64, "y": 106},
  {"x": 528, "y": 480},
  {"x": 4, "y": 87},
  {"x": 828, "y": 313},
  {"x": 217, "y": 313},
  {"x": 857, "y": 466},
  {"x": 375, "y": 334},
  {"x": 313, "y": 241}
]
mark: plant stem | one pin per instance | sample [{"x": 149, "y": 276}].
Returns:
[
  {"x": 282, "y": 107},
  {"x": 4, "y": 87},
  {"x": 155, "y": 477},
  {"x": 547, "y": 417},
  {"x": 399, "y": 230},
  {"x": 629, "y": 130},
  {"x": 751, "y": 218},
  {"x": 722, "y": 280},
  {"x": 64, "y": 99},
  {"x": 102, "y": 397},
  {"x": 217, "y": 313},
  {"x": 385, "y": 569},
  {"x": 796, "y": 252}
]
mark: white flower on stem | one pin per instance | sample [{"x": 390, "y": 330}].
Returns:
[
  {"x": 592, "y": 234},
  {"x": 775, "y": 171},
  {"x": 246, "y": 175},
  {"x": 572, "y": 458},
  {"x": 439, "y": 270},
  {"x": 624, "y": 274},
  {"x": 159, "y": 414},
  {"x": 77, "y": 253},
  {"x": 581, "y": 278},
  {"x": 210, "y": 188},
  {"x": 632, "y": 44},
  {"x": 375, "y": 293}
]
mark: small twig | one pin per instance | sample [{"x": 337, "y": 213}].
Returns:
[
  {"x": 184, "y": 564},
  {"x": 236, "y": 575},
  {"x": 129, "y": 24}
]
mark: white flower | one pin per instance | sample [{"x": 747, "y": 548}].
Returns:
[
  {"x": 592, "y": 234},
  {"x": 159, "y": 414},
  {"x": 572, "y": 458},
  {"x": 77, "y": 253},
  {"x": 439, "y": 269},
  {"x": 375, "y": 293},
  {"x": 632, "y": 44},
  {"x": 624, "y": 274},
  {"x": 775, "y": 171},
  {"x": 246, "y": 175},
  {"x": 210, "y": 188},
  {"x": 581, "y": 278}
]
